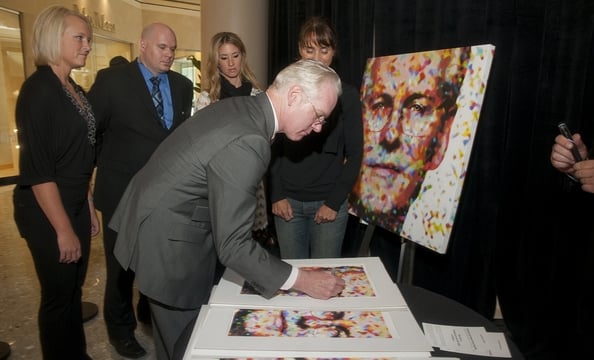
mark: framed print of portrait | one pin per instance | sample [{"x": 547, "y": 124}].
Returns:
[
  {"x": 230, "y": 332},
  {"x": 368, "y": 286}
]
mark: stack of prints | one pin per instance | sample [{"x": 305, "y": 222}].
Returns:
[{"x": 369, "y": 319}]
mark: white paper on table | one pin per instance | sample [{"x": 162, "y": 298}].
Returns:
[
  {"x": 497, "y": 345},
  {"x": 358, "y": 358},
  {"x": 467, "y": 340}
]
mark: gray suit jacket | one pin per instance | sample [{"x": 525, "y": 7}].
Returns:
[{"x": 195, "y": 199}]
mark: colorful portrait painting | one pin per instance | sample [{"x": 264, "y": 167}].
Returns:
[
  {"x": 225, "y": 332},
  {"x": 355, "y": 278},
  {"x": 307, "y": 323},
  {"x": 420, "y": 113}
]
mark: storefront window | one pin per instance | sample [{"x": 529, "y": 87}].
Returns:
[
  {"x": 103, "y": 49},
  {"x": 185, "y": 64},
  {"x": 12, "y": 75}
]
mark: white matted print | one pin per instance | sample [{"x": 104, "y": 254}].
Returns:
[
  {"x": 368, "y": 286},
  {"x": 224, "y": 332}
]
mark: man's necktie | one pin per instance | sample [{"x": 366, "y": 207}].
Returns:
[{"x": 158, "y": 100}]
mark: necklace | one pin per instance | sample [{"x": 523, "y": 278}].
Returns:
[{"x": 78, "y": 99}]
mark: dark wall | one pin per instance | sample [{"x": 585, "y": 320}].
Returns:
[{"x": 353, "y": 22}]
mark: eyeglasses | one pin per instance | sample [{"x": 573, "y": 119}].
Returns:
[{"x": 320, "y": 119}]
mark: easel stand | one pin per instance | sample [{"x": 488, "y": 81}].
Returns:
[
  {"x": 407, "y": 256},
  {"x": 364, "y": 248},
  {"x": 406, "y": 263}
]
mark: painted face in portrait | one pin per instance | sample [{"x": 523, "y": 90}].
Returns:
[
  {"x": 409, "y": 103},
  {"x": 325, "y": 325},
  {"x": 229, "y": 61},
  {"x": 264, "y": 323}
]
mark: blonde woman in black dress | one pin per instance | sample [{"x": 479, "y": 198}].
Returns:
[{"x": 52, "y": 206}]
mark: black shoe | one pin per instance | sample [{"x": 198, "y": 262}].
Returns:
[
  {"x": 129, "y": 348},
  {"x": 143, "y": 311}
]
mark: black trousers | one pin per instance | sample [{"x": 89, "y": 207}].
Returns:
[
  {"x": 118, "y": 310},
  {"x": 61, "y": 331}
]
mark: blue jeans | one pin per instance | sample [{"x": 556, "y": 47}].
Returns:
[{"x": 302, "y": 238}]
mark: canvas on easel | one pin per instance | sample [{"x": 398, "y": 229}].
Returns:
[{"x": 420, "y": 114}]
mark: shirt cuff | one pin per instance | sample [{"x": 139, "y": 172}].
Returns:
[{"x": 291, "y": 280}]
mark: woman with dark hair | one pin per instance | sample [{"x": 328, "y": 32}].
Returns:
[{"x": 311, "y": 180}]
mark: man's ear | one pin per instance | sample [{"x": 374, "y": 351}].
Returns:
[
  {"x": 294, "y": 95},
  {"x": 439, "y": 145}
]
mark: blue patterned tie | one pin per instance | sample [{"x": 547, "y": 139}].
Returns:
[{"x": 158, "y": 99}]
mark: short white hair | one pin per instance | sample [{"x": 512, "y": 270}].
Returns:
[{"x": 309, "y": 75}]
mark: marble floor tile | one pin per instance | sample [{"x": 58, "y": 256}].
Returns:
[{"x": 19, "y": 295}]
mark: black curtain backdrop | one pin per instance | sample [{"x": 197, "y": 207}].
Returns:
[
  {"x": 352, "y": 20},
  {"x": 523, "y": 232}
]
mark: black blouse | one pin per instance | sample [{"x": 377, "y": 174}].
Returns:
[{"x": 56, "y": 136}]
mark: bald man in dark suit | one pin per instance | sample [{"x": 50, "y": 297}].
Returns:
[
  {"x": 129, "y": 129},
  {"x": 195, "y": 200}
]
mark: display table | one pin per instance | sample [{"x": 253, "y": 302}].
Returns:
[
  {"x": 372, "y": 317},
  {"x": 430, "y": 307}
]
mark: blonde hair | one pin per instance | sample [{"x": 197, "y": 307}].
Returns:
[
  {"x": 211, "y": 71},
  {"x": 47, "y": 33}
]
